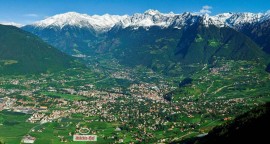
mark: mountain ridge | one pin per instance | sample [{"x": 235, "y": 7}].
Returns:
[
  {"x": 103, "y": 23},
  {"x": 156, "y": 40},
  {"x": 96, "y": 22}
]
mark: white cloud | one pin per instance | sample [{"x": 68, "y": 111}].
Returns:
[
  {"x": 207, "y": 7},
  {"x": 31, "y": 15},
  {"x": 205, "y": 10}
]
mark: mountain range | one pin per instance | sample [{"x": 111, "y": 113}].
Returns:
[
  {"x": 158, "y": 40},
  {"x": 149, "y": 18}
]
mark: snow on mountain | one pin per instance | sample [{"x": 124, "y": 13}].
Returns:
[
  {"x": 218, "y": 20},
  {"x": 155, "y": 18},
  {"x": 12, "y": 24},
  {"x": 151, "y": 18},
  {"x": 235, "y": 20},
  {"x": 97, "y": 22},
  {"x": 239, "y": 19},
  {"x": 147, "y": 19}
]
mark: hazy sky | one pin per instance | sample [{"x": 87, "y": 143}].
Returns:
[{"x": 28, "y": 11}]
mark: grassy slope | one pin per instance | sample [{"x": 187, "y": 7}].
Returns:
[
  {"x": 22, "y": 52},
  {"x": 251, "y": 126},
  {"x": 14, "y": 127}
]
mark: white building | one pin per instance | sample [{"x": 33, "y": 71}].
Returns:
[{"x": 28, "y": 139}]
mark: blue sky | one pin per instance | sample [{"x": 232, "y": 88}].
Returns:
[{"x": 28, "y": 11}]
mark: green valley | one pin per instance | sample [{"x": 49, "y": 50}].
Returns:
[{"x": 73, "y": 99}]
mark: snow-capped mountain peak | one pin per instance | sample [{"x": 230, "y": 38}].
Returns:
[
  {"x": 152, "y": 12},
  {"x": 60, "y": 20},
  {"x": 99, "y": 23},
  {"x": 147, "y": 19},
  {"x": 103, "y": 23},
  {"x": 234, "y": 20}
]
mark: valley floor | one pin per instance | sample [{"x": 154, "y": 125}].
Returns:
[{"x": 127, "y": 105}]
